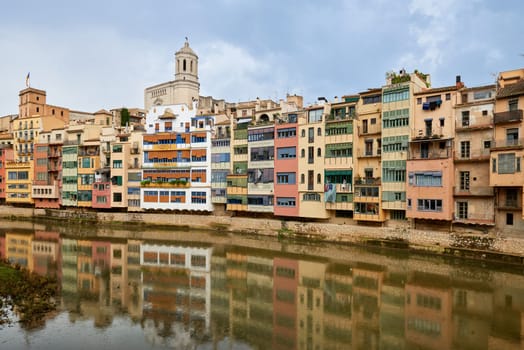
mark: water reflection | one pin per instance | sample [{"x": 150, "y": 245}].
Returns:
[{"x": 216, "y": 295}]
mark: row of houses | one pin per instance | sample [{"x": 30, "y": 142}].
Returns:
[{"x": 402, "y": 153}]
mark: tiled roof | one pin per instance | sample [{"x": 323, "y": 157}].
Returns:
[
  {"x": 436, "y": 90},
  {"x": 512, "y": 90}
]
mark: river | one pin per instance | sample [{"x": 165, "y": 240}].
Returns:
[{"x": 141, "y": 288}]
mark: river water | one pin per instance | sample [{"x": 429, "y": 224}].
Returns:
[{"x": 162, "y": 289}]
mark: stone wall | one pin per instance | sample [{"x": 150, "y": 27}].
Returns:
[{"x": 434, "y": 241}]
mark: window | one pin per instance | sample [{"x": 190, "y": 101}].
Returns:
[
  {"x": 319, "y": 178},
  {"x": 311, "y": 135},
  {"x": 462, "y": 210},
  {"x": 509, "y": 219},
  {"x": 371, "y": 99},
  {"x": 373, "y": 121},
  {"x": 369, "y": 147},
  {"x": 319, "y": 131},
  {"x": 315, "y": 115},
  {"x": 419, "y": 100},
  {"x": 429, "y": 205},
  {"x": 365, "y": 126},
  {"x": 319, "y": 152},
  {"x": 117, "y": 164},
  {"x": 513, "y": 104},
  {"x": 464, "y": 180},
  {"x": 465, "y": 118},
  {"x": 286, "y": 202},
  {"x": 448, "y": 96},
  {"x": 302, "y": 178},
  {"x": 313, "y": 197},
  {"x": 285, "y": 133},
  {"x": 507, "y": 163},
  {"x": 511, "y": 198},
  {"x": 286, "y": 178},
  {"x": 441, "y": 120},
  {"x": 512, "y": 136},
  {"x": 484, "y": 112},
  {"x": 487, "y": 144},
  {"x": 117, "y": 197},
  {"x": 428, "y": 179},
  {"x": 286, "y": 152},
  {"x": 464, "y": 149},
  {"x": 311, "y": 154},
  {"x": 302, "y": 153},
  {"x": 494, "y": 165},
  {"x": 303, "y": 134}
]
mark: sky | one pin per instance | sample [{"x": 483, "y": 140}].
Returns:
[{"x": 92, "y": 55}]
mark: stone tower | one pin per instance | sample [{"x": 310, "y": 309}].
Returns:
[
  {"x": 186, "y": 85},
  {"x": 184, "y": 89}
]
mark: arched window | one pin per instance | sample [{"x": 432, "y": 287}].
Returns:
[
  {"x": 184, "y": 65},
  {"x": 302, "y": 178},
  {"x": 303, "y": 153},
  {"x": 319, "y": 152},
  {"x": 191, "y": 66},
  {"x": 319, "y": 132},
  {"x": 319, "y": 178},
  {"x": 303, "y": 132}
]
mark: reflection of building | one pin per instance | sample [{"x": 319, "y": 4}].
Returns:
[
  {"x": 367, "y": 286},
  {"x": 177, "y": 287},
  {"x": 428, "y": 311},
  {"x": 285, "y": 299},
  {"x": 310, "y": 306},
  {"x": 2, "y": 247},
  {"x": 46, "y": 253},
  {"x": 18, "y": 249}
]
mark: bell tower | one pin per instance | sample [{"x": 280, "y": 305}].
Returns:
[{"x": 186, "y": 85}]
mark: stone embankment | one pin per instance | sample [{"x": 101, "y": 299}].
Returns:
[{"x": 492, "y": 247}]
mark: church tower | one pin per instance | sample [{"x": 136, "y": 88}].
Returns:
[
  {"x": 186, "y": 85},
  {"x": 184, "y": 89}
]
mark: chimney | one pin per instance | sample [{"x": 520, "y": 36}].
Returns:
[{"x": 458, "y": 83}]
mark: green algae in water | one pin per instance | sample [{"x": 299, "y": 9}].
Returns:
[{"x": 27, "y": 295}]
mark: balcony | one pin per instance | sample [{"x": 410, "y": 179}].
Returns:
[
  {"x": 510, "y": 204},
  {"x": 508, "y": 116},
  {"x": 470, "y": 125},
  {"x": 371, "y": 129},
  {"x": 472, "y": 156},
  {"x": 473, "y": 191},
  {"x": 135, "y": 150},
  {"x": 45, "y": 191},
  {"x": 432, "y": 154},
  {"x": 361, "y": 181},
  {"x": 508, "y": 143},
  {"x": 370, "y": 153},
  {"x": 477, "y": 219}
]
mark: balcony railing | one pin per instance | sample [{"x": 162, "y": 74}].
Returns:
[
  {"x": 472, "y": 155},
  {"x": 481, "y": 191},
  {"x": 359, "y": 181},
  {"x": 370, "y": 153},
  {"x": 507, "y": 143},
  {"x": 432, "y": 154},
  {"x": 477, "y": 124},
  {"x": 508, "y": 116}
]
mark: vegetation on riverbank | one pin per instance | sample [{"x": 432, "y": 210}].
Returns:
[{"x": 25, "y": 294}]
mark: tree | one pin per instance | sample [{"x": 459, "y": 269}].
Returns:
[{"x": 124, "y": 116}]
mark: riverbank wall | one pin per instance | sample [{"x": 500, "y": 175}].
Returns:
[{"x": 493, "y": 246}]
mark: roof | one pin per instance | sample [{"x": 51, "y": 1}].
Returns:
[
  {"x": 512, "y": 90},
  {"x": 186, "y": 49},
  {"x": 436, "y": 90}
]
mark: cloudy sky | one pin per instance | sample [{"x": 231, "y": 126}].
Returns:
[{"x": 96, "y": 54}]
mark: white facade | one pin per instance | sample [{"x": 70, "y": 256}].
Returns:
[{"x": 186, "y": 144}]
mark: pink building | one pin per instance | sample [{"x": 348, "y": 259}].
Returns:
[
  {"x": 6, "y": 154},
  {"x": 102, "y": 189},
  {"x": 430, "y": 166},
  {"x": 286, "y": 167},
  {"x": 46, "y": 253}
]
